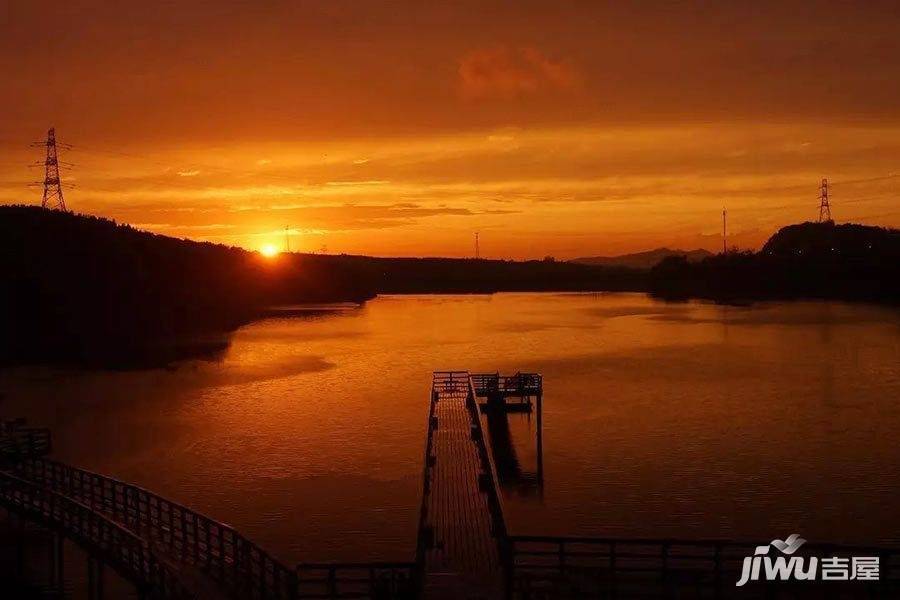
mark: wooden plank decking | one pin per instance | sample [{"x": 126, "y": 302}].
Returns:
[{"x": 461, "y": 518}]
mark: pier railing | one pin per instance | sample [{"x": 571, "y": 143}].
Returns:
[
  {"x": 491, "y": 483},
  {"x": 521, "y": 384},
  {"x": 122, "y": 549},
  {"x": 485, "y": 382},
  {"x": 576, "y": 566},
  {"x": 425, "y": 537},
  {"x": 448, "y": 381}
]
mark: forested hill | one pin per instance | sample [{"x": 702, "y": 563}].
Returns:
[
  {"x": 86, "y": 289},
  {"x": 808, "y": 260},
  {"x": 849, "y": 241}
]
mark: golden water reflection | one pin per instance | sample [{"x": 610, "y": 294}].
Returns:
[{"x": 659, "y": 420}]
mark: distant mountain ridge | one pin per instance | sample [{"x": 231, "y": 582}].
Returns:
[{"x": 642, "y": 260}]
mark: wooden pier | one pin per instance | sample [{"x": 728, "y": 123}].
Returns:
[{"x": 461, "y": 526}]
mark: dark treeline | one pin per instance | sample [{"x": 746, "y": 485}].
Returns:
[
  {"x": 466, "y": 276},
  {"x": 810, "y": 260},
  {"x": 84, "y": 289}
]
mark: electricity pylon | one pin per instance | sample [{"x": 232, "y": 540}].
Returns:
[
  {"x": 824, "y": 206},
  {"x": 53, "y": 194}
]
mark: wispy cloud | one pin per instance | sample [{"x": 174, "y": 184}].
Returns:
[
  {"x": 367, "y": 182},
  {"x": 198, "y": 227},
  {"x": 506, "y": 72}
]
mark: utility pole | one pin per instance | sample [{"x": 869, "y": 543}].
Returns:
[
  {"x": 477, "y": 249},
  {"x": 53, "y": 194},
  {"x": 724, "y": 231},
  {"x": 287, "y": 240},
  {"x": 824, "y": 205}
]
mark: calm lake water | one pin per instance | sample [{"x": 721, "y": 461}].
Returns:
[{"x": 688, "y": 420}]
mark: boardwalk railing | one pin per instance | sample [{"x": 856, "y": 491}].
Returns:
[
  {"x": 219, "y": 551},
  {"x": 358, "y": 580},
  {"x": 122, "y": 549},
  {"x": 17, "y": 441},
  {"x": 238, "y": 565},
  {"x": 572, "y": 566}
]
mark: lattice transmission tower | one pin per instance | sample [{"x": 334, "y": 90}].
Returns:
[
  {"x": 53, "y": 193},
  {"x": 824, "y": 206}
]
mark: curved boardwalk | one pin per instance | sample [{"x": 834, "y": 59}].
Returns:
[
  {"x": 127, "y": 552},
  {"x": 165, "y": 548}
]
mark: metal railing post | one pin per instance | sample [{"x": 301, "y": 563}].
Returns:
[{"x": 332, "y": 582}]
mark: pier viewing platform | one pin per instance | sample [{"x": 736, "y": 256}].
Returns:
[{"x": 511, "y": 393}]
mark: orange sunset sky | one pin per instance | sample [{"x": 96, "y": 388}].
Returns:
[{"x": 400, "y": 128}]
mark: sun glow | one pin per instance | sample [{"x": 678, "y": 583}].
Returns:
[{"x": 268, "y": 250}]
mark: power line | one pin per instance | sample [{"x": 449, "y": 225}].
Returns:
[
  {"x": 867, "y": 179},
  {"x": 153, "y": 161}
]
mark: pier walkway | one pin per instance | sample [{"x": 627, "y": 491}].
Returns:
[{"x": 461, "y": 522}]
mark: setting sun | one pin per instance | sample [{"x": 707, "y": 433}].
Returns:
[{"x": 268, "y": 250}]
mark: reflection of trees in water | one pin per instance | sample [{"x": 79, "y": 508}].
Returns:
[{"x": 512, "y": 475}]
